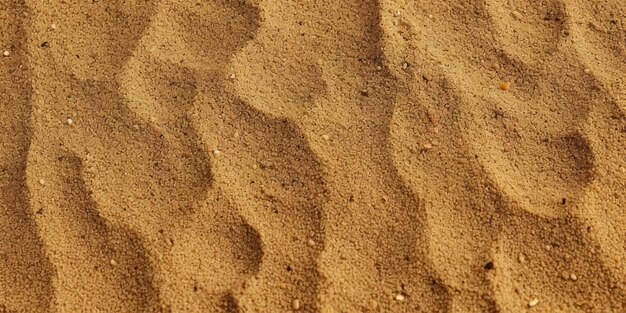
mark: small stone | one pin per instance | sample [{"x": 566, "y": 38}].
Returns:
[
  {"x": 517, "y": 15},
  {"x": 573, "y": 277},
  {"x": 113, "y": 262},
  {"x": 295, "y": 304},
  {"x": 236, "y": 134},
  {"x": 232, "y": 76},
  {"x": 587, "y": 71},
  {"x": 42, "y": 181},
  {"x": 405, "y": 65},
  {"x": 311, "y": 242},
  {"x": 6, "y": 53},
  {"x": 396, "y": 14},
  {"x": 533, "y": 302},
  {"x": 522, "y": 258},
  {"x": 400, "y": 297},
  {"x": 379, "y": 68},
  {"x": 373, "y": 304},
  {"x": 494, "y": 66},
  {"x": 430, "y": 16},
  {"x": 136, "y": 127},
  {"x": 53, "y": 26},
  {"x": 326, "y": 137},
  {"x": 217, "y": 152},
  {"x": 505, "y": 86},
  {"x": 548, "y": 247},
  {"x": 428, "y": 146},
  {"x": 70, "y": 121},
  {"x": 365, "y": 92}
]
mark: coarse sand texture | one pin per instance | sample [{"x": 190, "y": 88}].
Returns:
[{"x": 312, "y": 156}]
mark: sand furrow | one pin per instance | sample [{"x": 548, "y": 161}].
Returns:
[
  {"x": 97, "y": 264},
  {"x": 274, "y": 205},
  {"x": 25, "y": 271},
  {"x": 350, "y": 148},
  {"x": 488, "y": 122}
]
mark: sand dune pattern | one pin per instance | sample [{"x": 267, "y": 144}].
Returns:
[{"x": 313, "y": 156}]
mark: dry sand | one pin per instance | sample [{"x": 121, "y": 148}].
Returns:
[{"x": 312, "y": 155}]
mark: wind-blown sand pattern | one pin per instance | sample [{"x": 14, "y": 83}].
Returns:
[{"x": 313, "y": 156}]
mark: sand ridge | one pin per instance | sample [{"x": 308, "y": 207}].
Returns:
[{"x": 313, "y": 156}]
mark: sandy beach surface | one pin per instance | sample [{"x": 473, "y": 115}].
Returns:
[{"x": 312, "y": 156}]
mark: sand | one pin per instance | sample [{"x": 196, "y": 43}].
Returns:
[{"x": 312, "y": 156}]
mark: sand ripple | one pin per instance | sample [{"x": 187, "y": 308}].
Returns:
[{"x": 314, "y": 155}]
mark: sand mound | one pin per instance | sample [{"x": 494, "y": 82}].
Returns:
[{"x": 313, "y": 156}]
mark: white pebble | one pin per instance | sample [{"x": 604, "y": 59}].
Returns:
[
  {"x": 42, "y": 181},
  {"x": 548, "y": 247},
  {"x": 232, "y": 76},
  {"x": 311, "y": 242},
  {"x": 217, "y": 152},
  {"x": 405, "y": 65},
  {"x": 573, "y": 277},
  {"x": 113, "y": 262},
  {"x": 70, "y": 121},
  {"x": 296, "y": 304},
  {"x": 400, "y": 297},
  {"x": 379, "y": 68},
  {"x": 53, "y": 26},
  {"x": 533, "y": 302},
  {"x": 326, "y": 137},
  {"x": 522, "y": 258},
  {"x": 6, "y": 53}
]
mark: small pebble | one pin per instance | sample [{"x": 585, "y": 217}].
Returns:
[
  {"x": 365, "y": 92},
  {"x": 232, "y": 76},
  {"x": 405, "y": 65},
  {"x": 505, "y": 86},
  {"x": 533, "y": 302},
  {"x": 573, "y": 277},
  {"x": 113, "y": 262},
  {"x": 522, "y": 258},
  {"x": 70, "y": 121},
  {"x": 326, "y": 137},
  {"x": 428, "y": 146},
  {"x": 517, "y": 15},
  {"x": 379, "y": 68},
  {"x": 6, "y": 53},
  {"x": 373, "y": 304},
  {"x": 296, "y": 304},
  {"x": 587, "y": 71},
  {"x": 53, "y": 26},
  {"x": 42, "y": 181},
  {"x": 217, "y": 152},
  {"x": 430, "y": 16},
  {"x": 236, "y": 134},
  {"x": 400, "y": 297},
  {"x": 311, "y": 242},
  {"x": 548, "y": 247}
]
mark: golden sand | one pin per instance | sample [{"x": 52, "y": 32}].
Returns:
[{"x": 312, "y": 156}]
